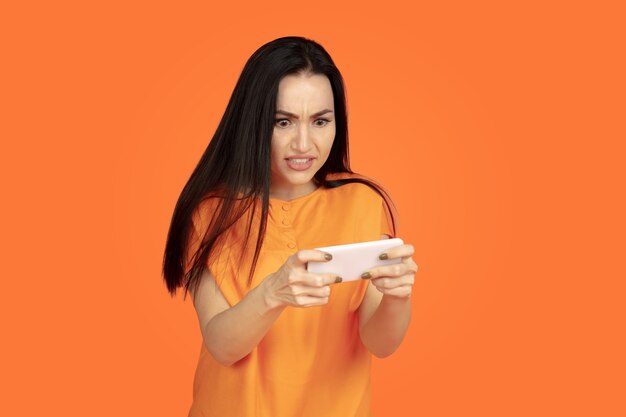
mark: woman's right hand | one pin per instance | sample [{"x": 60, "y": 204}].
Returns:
[{"x": 293, "y": 285}]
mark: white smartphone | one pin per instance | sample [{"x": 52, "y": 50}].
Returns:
[{"x": 351, "y": 260}]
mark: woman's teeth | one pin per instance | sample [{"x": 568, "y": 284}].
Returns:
[{"x": 299, "y": 161}]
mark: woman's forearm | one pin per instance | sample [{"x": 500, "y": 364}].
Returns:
[
  {"x": 385, "y": 330},
  {"x": 232, "y": 334}
]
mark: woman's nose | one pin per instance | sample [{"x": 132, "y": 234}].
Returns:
[{"x": 302, "y": 141}]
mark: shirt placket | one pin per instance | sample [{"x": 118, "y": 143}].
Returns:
[{"x": 286, "y": 224}]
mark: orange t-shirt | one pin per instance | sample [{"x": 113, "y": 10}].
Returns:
[{"x": 311, "y": 362}]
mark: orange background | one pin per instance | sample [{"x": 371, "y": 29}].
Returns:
[{"x": 498, "y": 129}]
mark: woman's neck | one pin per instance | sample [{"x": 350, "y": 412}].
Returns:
[{"x": 291, "y": 192}]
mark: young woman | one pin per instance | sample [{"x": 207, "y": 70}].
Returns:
[{"x": 274, "y": 183}]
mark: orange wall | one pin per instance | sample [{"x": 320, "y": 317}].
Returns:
[{"x": 497, "y": 128}]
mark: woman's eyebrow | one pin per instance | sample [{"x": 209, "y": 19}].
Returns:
[{"x": 319, "y": 113}]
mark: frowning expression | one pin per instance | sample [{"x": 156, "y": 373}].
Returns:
[{"x": 304, "y": 131}]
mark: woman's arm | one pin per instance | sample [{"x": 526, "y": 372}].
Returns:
[
  {"x": 383, "y": 320},
  {"x": 384, "y": 330},
  {"x": 230, "y": 333}
]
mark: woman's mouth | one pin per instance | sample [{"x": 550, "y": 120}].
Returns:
[{"x": 300, "y": 164}]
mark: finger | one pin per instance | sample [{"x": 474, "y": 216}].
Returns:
[
  {"x": 301, "y": 257},
  {"x": 305, "y": 290},
  {"x": 400, "y": 251},
  {"x": 394, "y": 270},
  {"x": 306, "y": 301},
  {"x": 403, "y": 291},
  {"x": 388, "y": 283},
  {"x": 409, "y": 261},
  {"x": 313, "y": 279}
]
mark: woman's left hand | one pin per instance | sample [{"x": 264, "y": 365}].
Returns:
[{"x": 395, "y": 280}]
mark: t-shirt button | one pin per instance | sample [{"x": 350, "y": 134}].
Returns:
[
  {"x": 285, "y": 207},
  {"x": 285, "y": 222},
  {"x": 291, "y": 245}
]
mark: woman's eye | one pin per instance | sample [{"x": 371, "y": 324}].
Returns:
[
  {"x": 285, "y": 122},
  {"x": 277, "y": 121}
]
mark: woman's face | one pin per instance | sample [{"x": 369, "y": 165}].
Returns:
[{"x": 304, "y": 130}]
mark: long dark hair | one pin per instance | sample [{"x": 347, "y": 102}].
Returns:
[{"x": 237, "y": 159}]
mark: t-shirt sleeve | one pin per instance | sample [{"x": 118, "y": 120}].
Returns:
[
  {"x": 385, "y": 220},
  {"x": 201, "y": 221},
  {"x": 220, "y": 260}
]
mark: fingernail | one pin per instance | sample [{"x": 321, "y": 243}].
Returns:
[
  {"x": 338, "y": 279},
  {"x": 383, "y": 256},
  {"x": 328, "y": 256},
  {"x": 366, "y": 275}
]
